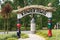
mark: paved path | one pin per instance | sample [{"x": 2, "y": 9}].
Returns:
[
  {"x": 32, "y": 36},
  {"x": 27, "y": 32}
]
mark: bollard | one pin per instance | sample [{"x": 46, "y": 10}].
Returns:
[{"x": 18, "y": 31}]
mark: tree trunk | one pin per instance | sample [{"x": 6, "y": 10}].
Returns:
[
  {"x": 7, "y": 25},
  {"x": 4, "y": 25},
  {"x": 41, "y": 22},
  {"x": 25, "y": 26},
  {"x": 7, "y": 22}
]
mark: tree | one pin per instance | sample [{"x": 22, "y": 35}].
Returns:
[
  {"x": 11, "y": 3},
  {"x": 18, "y": 3},
  {"x": 6, "y": 10}
]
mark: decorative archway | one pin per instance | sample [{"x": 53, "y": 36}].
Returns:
[{"x": 36, "y": 9}]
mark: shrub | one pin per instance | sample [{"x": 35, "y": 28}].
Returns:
[
  {"x": 12, "y": 39},
  {"x": 24, "y": 35},
  {"x": 12, "y": 36},
  {"x": 6, "y": 36},
  {"x": 55, "y": 34}
]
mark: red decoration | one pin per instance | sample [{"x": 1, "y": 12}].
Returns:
[
  {"x": 18, "y": 26},
  {"x": 49, "y": 33}
]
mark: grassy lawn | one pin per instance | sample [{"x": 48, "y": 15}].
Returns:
[
  {"x": 55, "y": 34},
  {"x": 12, "y": 36}
]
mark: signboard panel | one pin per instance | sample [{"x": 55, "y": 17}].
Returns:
[
  {"x": 49, "y": 14},
  {"x": 19, "y": 16}
]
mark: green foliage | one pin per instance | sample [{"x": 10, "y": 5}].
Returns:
[
  {"x": 12, "y": 36},
  {"x": 1, "y": 23},
  {"x": 12, "y": 39},
  {"x": 18, "y": 3},
  {"x": 41, "y": 33},
  {"x": 25, "y": 21},
  {"x": 6, "y": 36},
  {"x": 24, "y": 36},
  {"x": 55, "y": 34},
  {"x": 12, "y": 23}
]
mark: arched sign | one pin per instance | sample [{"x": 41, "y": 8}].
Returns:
[{"x": 37, "y": 9}]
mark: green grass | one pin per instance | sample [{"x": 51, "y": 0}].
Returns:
[
  {"x": 1, "y": 30},
  {"x": 12, "y": 36},
  {"x": 55, "y": 34},
  {"x": 24, "y": 36}
]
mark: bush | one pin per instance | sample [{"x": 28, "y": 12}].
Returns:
[
  {"x": 6, "y": 36},
  {"x": 23, "y": 28},
  {"x": 42, "y": 34},
  {"x": 12, "y": 36},
  {"x": 12, "y": 39},
  {"x": 55, "y": 34},
  {"x": 24, "y": 36}
]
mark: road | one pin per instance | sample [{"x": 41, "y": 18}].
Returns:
[{"x": 27, "y": 32}]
